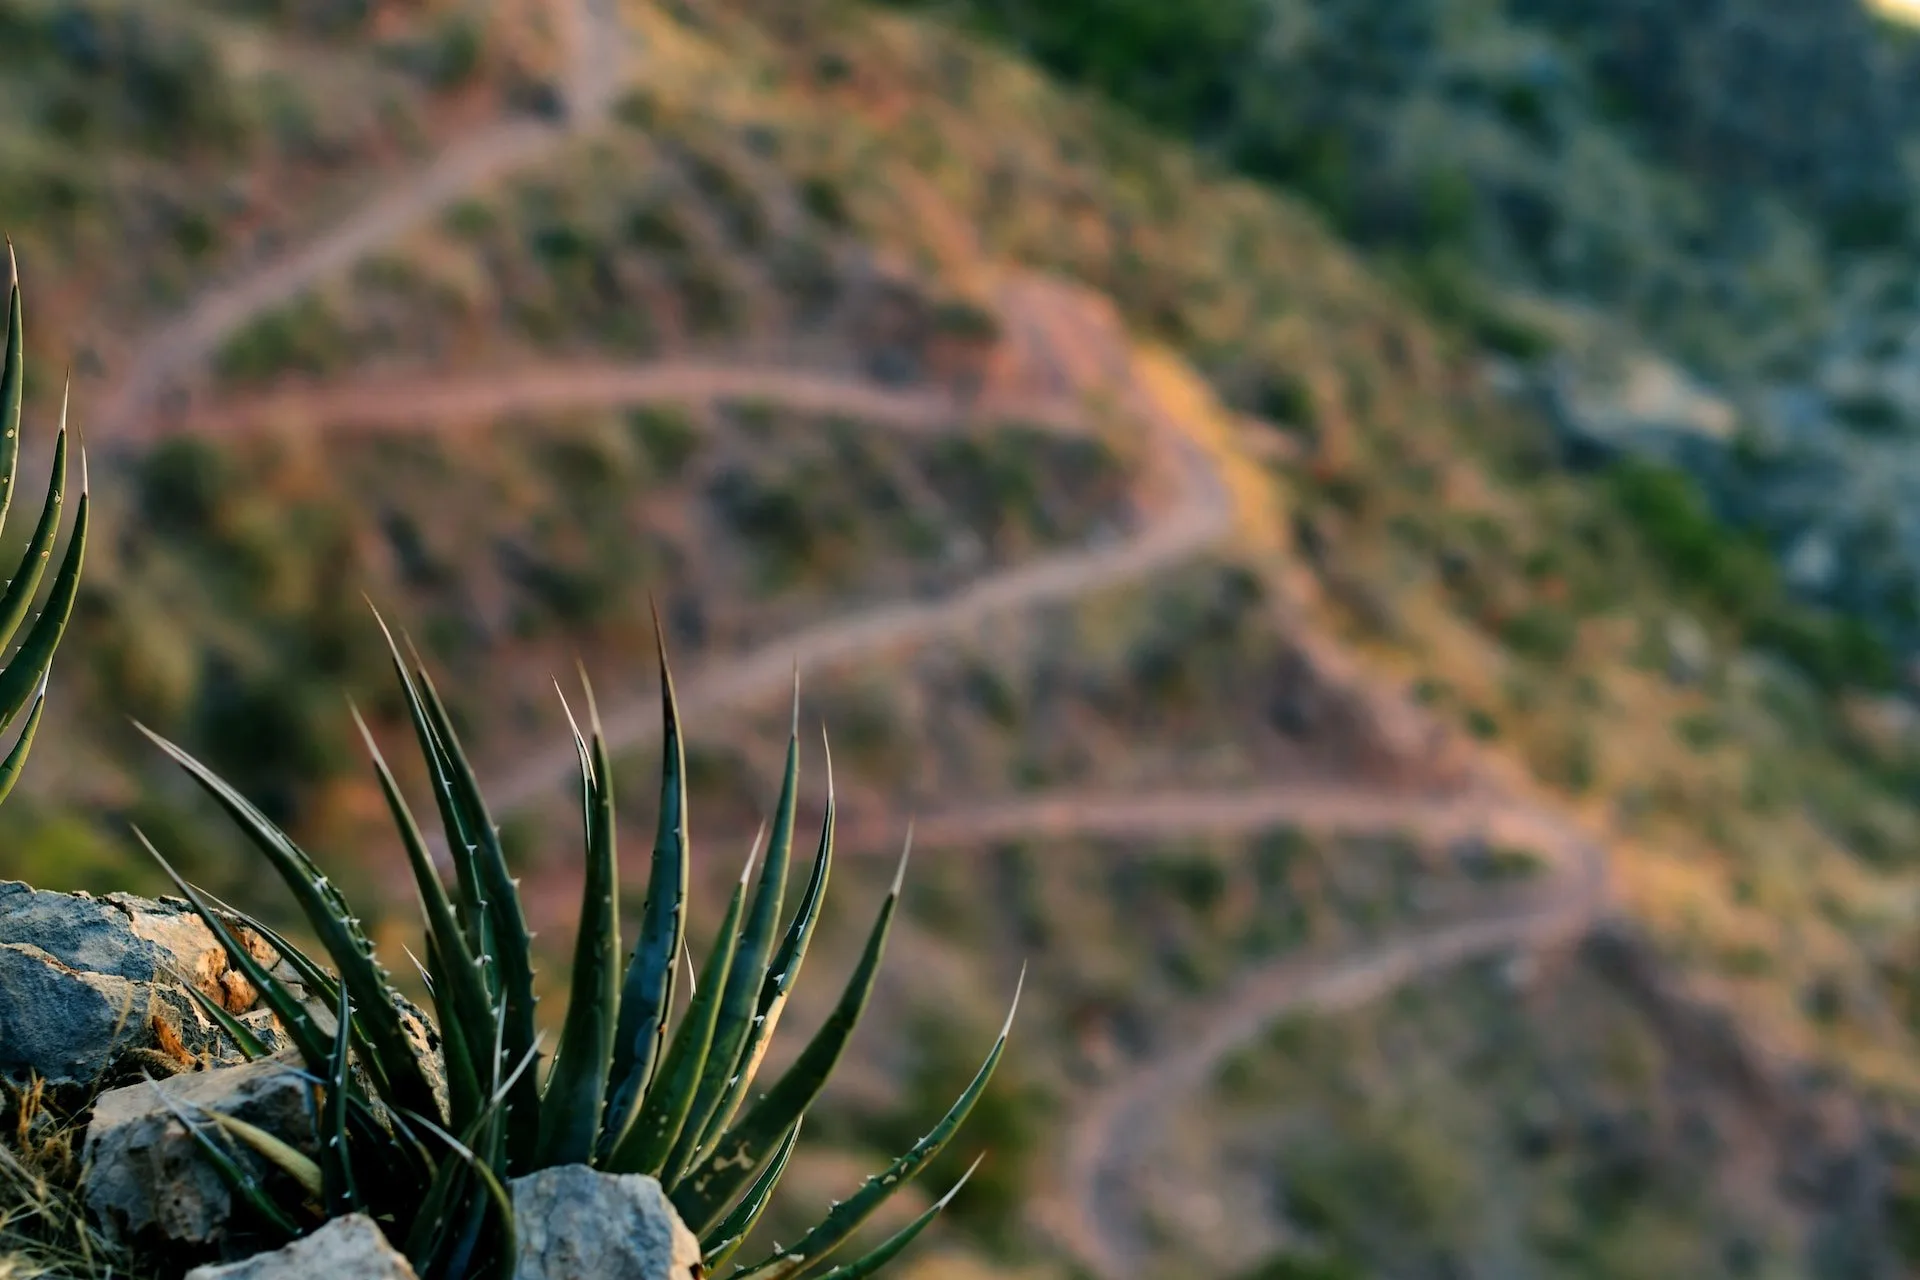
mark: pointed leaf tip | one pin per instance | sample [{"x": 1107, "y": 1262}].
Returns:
[
  {"x": 954, "y": 1190},
  {"x": 753, "y": 854},
  {"x": 1006, "y": 1028},
  {"x": 900, "y": 872},
  {"x": 593, "y": 704}
]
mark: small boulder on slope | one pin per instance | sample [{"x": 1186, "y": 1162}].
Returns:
[
  {"x": 349, "y": 1248},
  {"x": 574, "y": 1223},
  {"x": 148, "y": 1184}
]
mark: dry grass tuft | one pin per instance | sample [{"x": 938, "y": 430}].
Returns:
[{"x": 44, "y": 1230}]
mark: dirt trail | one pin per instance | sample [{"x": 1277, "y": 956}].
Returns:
[
  {"x": 186, "y": 342},
  {"x": 435, "y": 404},
  {"x": 1113, "y": 1134},
  {"x": 1115, "y": 1128},
  {"x": 1200, "y": 519}
]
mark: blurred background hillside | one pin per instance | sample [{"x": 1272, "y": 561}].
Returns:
[{"x": 1374, "y": 537}]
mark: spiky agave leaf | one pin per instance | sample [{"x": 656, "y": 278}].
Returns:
[
  {"x": 16, "y": 761},
  {"x": 25, "y": 582},
  {"x": 320, "y": 984},
  {"x": 512, "y": 966},
  {"x": 465, "y": 1197},
  {"x": 342, "y": 1190},
  {"x": 460, "y": 992},
  {"x": 847, "y": 1216},
  {"x": 333, "y": 922},
  {"x": 469, "y": 906},
  {"x": 740, "y": 1002},
  {"x": 274, "y": 1150},
  {"x": 782, "y": 972},
  {"x": 646, "y": 995},
  {"x": 576, "y": 1089},
  {"x": 251, "y": 1047},
  {"x": 27, "y": 670},
  {"x": 238, "y": 1180},
  {"x": 718, "y": 1246},
  {"x": 704, "y": 1195},
  {"x": 12, "y": 386},
  {"x": 861, "y": 1268},
  {"x": 286, "y": 1006},
  {"x": 651, "y": 1139},
  {"x": 24, "y": 678},
  {"x": 318, "y": 981}
]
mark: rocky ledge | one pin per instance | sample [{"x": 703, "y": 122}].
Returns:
[{"x": 94, "y": 1001}]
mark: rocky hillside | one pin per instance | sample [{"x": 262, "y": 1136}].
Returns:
[
  {"x": 1215, "y": 595},
  {"x": 1721, "y": 191}
]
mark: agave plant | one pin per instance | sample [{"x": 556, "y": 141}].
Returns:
[
  {"x": 621, "y": 1094},
  {"x": 23, "y": 680}
]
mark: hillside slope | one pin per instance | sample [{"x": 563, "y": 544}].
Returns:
[{"x": 1243, "y": 653}]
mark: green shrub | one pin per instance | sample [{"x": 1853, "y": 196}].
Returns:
[{"x": 623, "y": 1094}]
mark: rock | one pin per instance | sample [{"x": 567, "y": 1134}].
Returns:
[
  {"x": 1608, "y": 399},
  {"x": 574, "y": 1223},
  {"x": 146, "y": 1180},
  {"x": 83, "y": 980},
  {"x": 1812, "y": 563},
  {"x": 1689, "y": 651},
  {"x": 350, "y": 1248}
]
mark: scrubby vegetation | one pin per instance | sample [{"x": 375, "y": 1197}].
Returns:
[{"x": 846, "y": 190}]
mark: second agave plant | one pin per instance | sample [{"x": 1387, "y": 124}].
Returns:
[{"x": 630, "y": 1089}]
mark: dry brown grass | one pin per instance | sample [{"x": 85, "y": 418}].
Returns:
[{"x": 44, "y": 1231}]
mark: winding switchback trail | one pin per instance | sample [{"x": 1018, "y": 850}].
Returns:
[
  {"x": 1112, "y": 1132},
  {"x": 1116, "y": 1127}
]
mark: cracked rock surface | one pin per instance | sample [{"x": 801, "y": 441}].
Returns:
[
  {"x": 85, "y": 980},
  {"x": 350, "y": 1248},
  {"x": 574, "y": 1223},
  {"x": 147, "y": 1182}
]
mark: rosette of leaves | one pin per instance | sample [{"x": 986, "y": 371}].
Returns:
[
  {"x": 630, "y": 1088},
  {"x": 23, "y": 680}
]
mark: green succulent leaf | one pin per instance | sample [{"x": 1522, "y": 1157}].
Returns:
[
  {"x": 781, "y": 975},
  {"x": 740, "y": 1002},
  {"x": 866, "y": 1266},
  {"x": 512, "y": 966},
  {"x": 460, "y": 993},
  {"x": 251, "y": 1047},
  {"x": 16, "y": 760},
  {"x": 275, "y": 1150},
  {"x": 12, "y": 386},
  {"x": 301, "y": 1028},
  {"x": 651, "y": 1139},
  {"x": 321, "y": 983},
  {"x": 847, "y": 1216},
  {"x": 28, "y": 668},
  {"x": 576, "y": 1091},
  {"x": 646, "y": 995},
  {"x": 336, "y": 1156},
  {"x": 339, "y": 932},
  {"x": 465, "y": 1197},
  {"x": 469, "y": 906},
  {"x": 702, "y": 1198},
  {"x": 239, "y": 1180},
  {"x": 25, "y": 582},
  {"x": 719, "y": 1245}
]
